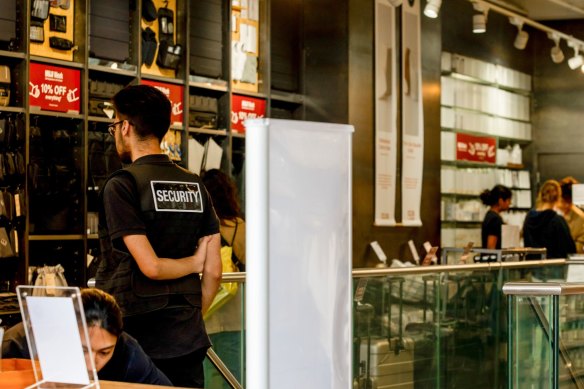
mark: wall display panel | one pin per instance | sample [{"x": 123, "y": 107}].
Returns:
[
  {"x": 110, "y": 35},
  {"x": 52, "y": 29},
  {"x": 206, "y": 38},
  {"x": 161, "y": 53}
]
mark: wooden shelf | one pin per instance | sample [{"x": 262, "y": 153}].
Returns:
[
  {"x": 479, "y": 133},
  {"x": 195, "y": 130},
  {"x": 100, "y": 119},
  {"x": 208, "y": 83},
  {"x": 465, "y": 77},
  {"x": 37, "y": 111},
  {"x": 59, "y": 62},
  {"x": 286, "y": 97},
  {"x": 12, "y": 54},
  {"x": 54, "y": 237},
  {"x": 169, "y": 80},
  {"x": 113, "y": 69},
  {"x": 12, "y": 109}
]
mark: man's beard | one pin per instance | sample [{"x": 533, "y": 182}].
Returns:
[{"x": 125, "y": 157}]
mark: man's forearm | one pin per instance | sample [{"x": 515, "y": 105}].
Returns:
[{"x": 212, "y": 272}]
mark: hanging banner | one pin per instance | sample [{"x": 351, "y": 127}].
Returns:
[
  {"x": 175, "y": 94},
  {"x": 243, "y": 108},
  {"x": 476, "y": 148},
  {"x": 54, "y": 88},
  {"x": 385, "y": 114},
  {"x": 412, "y": 115}
]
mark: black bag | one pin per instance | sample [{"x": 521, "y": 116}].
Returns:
[
  {"x": 148, "y": 10},
  {"x": 169, "y": 55},
  {"x": 166, "y": 25},
  {"x": 60, "y": 43},
  {"x": 149, "y": 44},
  {"x": 58, "y": 23}
]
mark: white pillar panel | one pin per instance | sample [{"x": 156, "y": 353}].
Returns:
[{"x": 298, "y": 209}]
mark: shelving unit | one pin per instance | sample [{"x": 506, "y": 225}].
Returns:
[
  {"x": 112, "y": 56},
  {"x": 485, "y": 110}
]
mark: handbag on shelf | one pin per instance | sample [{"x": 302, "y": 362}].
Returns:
[{"x": 49, "y": 277}]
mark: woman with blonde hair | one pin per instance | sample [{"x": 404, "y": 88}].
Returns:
[{"x": 543, "y": 227}]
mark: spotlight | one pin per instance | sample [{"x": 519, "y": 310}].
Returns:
[
  {"x": 479, "y": 21},
  {"x": 395, "y": 3},
  {"x": 576, "y": 61},
  {"x": 556, "y": 52},
  {"x": 432, "y": 8},
  {"x": 522, "y": 36}
]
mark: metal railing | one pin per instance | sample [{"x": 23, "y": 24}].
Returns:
[{"x": 531, "y": 290}]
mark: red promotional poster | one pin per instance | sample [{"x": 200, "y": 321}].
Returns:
[
  {"x": 476, "y": 148},
  {"x": 244, "y": 107},
  {"x": 175, "y": 95},
  {"x": 54, "y": 88}
]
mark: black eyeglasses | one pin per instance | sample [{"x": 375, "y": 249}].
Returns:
[{"x": 112, "y": 127}]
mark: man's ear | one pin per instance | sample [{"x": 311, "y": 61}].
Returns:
[{"x": 125, "y": 127}]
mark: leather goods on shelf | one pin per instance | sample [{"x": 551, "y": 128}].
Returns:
[
  {"x": 203, "y": 112},
  {"x": 169, "y": 55},
  {"x": 4, "y": 85},
  {"x": 60, "y": 43},
  {"x": 148, "y": 10},
  {"x": 58, "y": 23},
  {"x": 40, "y": 9},
  {"x": 149, "y": 45},
  {"x": 37, "y": 31},
  {"x": 166, "y": 25}
]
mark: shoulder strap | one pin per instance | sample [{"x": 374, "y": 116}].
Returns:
[{"x": 234, "y": 232}]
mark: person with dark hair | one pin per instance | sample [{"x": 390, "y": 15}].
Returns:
[
  {"x": 158, "y": 230},
  {"x": 224, "y": 326},
  {"x": 574, "y": 216},
  {"x": 543, "y": 227},
  {"x": 498, "y": 200},
  {"x": 116, "y": 355}
]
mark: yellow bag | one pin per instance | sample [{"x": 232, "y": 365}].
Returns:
[{"x": 227, "y": 289}]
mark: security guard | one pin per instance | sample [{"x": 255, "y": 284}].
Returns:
[{"x": 158, "y": 230}]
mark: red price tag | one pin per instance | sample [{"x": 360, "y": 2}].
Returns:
[
  {"x": 243, "y": 108},
  {"x": 54, "y": 88},
  {"x": 476, "y": 148}
]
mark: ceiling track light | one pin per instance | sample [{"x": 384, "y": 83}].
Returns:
[
  {"x": 556, "y": 52},
  {"x": 521, "y": 20},
  {"x": 522, "y": 36},
  {"x": 432, "y": 8},
  {"x": 479, "y": 20},
  {"x": 577, "y": 60}
]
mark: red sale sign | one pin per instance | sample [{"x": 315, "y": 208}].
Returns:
[
  {"x": 54, "y": 88},
  {"x": 244, "y": 107},
  {"x": 175, "y": 94},
  {"x": 476, "y": 148}
]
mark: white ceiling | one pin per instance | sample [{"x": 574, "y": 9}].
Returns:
[{"x": 547, "y": 9}]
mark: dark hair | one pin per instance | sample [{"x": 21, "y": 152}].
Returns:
[
  {"x": 566, "y": 185},
  {"x": 223, "y": 194},
  {"x": 101, "y": 309},
  {"x": 146, "y": 108},
  {"x": 491, "y": 197}
]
